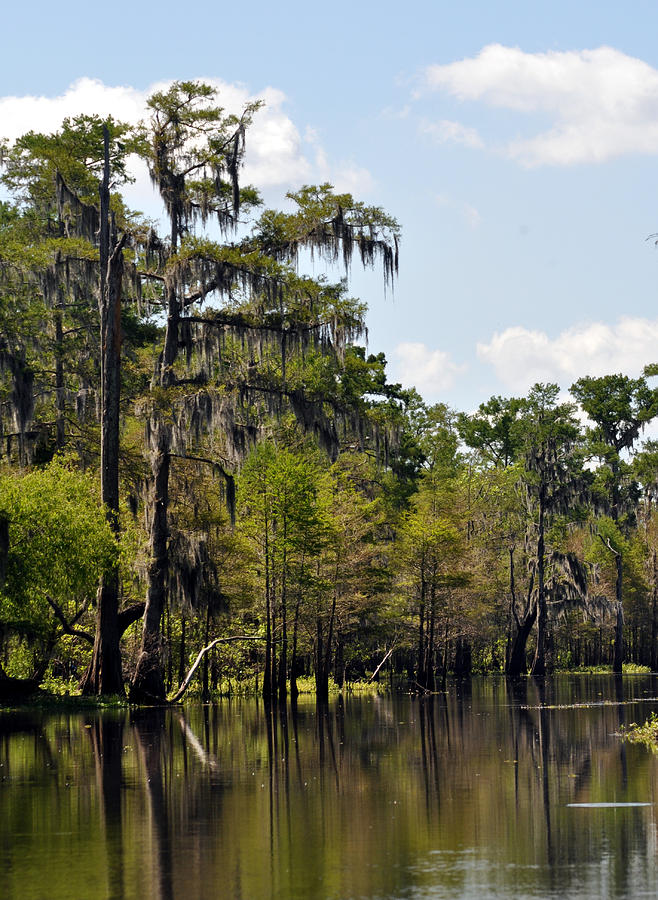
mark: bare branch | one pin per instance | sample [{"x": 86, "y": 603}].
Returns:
[
  {"x": 197, "y": 662},
  {"x": 66, "y": 626},
  {"x": 374, "y": 674},
  {"x": 606, "y": 543}
]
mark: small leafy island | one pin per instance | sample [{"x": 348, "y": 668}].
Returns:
[
  {"x": 208, "y": 483},
  {"x": 646, "y": 733}
]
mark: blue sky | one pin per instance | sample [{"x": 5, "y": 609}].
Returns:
[{"x": 516, "y": 143}]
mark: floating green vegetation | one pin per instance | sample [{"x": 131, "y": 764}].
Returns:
[{"x": 646, "y": 734}]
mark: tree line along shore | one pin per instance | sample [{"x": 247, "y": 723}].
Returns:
[{"x": 205, "y": 479}]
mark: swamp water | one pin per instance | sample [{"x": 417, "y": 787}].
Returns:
[{"x": 481, "y": 792}]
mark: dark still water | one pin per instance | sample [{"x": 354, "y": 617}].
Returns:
[{"x": 465, "y": 794}]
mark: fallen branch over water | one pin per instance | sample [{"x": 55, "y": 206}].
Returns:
[
  {"x": 374, "y": 674},
  {"x": 197, "y": 662}
]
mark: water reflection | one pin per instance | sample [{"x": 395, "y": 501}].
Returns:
[
  {"x": 106, "y": 735},
  {"x": 464, "y": 793}
]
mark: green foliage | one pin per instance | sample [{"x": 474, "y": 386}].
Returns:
[
  {"x": 497, "y": 430},
  {"x": 281, "y": 490},
  {"x": 618, "y": 405},
  {"x": 332, "y": 224},
  {"x": 193, "y": 149},
  {"x": 59, "y": 544},
  {"x": 403, "y": 534},
  {"x": 75, "y": 153},
  {"x": 646, "y": 734}
]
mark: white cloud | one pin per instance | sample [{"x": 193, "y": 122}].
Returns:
[
  {"x": 521, "y": 357},
  {"x": 472, "y": 216},
  {"x": 346, "y": 175},
  {"x": 84, "y": 96},
  {"x": 601, "y": 103},
  {"x": 447, "y": 132},
  {"x": 430, "y": 371},
  {"x": 277, "y": 156}
]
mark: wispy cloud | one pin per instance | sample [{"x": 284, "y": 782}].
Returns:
[
  {"x": 521, "y": 357},
  {"x": 472, "y": 215},
  {"x": 431, "y": 372},
  {"x": 601, "y": 103},
  {"x": 447, "y": 132}
]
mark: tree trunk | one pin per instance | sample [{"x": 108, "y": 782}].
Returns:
[
  {"x": 430, "y": 679},
  {"x": 446, "y": 651},
  {"x": 60, "y": 434},
  {"x": 517, "y": 661},
  {"x": 294, "y": 690},
  {"x": 539, "y": 662},
  {"x": 283, "y": 655},
  {"x": 654, "y": 610},
  {"x": 330, "y": 640},
  {"x": 420, "y": 668},
  {"x": 267, "y": 674},
  {"x": 205, "y": 689},
  {"x": 182, "y": 656},
  {"x": 339, "y": 665},
  {"x": 619, "y": 624},
  {"x": 463, "y": 659},
  {"x": 148, "y": 681},
  {"x": 618, "y": 648},
  {"x": 273, "y": 656},
  {"x": 321, "y": 675},
  {"x": 4, "y": 548},
  {"x": 104, "y": 675}
]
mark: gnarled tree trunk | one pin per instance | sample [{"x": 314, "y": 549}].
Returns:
[{"x": 148, "y": 680}]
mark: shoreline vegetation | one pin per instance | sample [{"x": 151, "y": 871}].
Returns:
[
  {"x": 56, "y": 693},
  {"x": 206, "y": 479}
]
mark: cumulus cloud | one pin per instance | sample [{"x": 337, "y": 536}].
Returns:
[
  {"x": 84, "y": 96},
  {"x": 601, "y": 103},
  {"x": 430, "y": 371},
  {"x": 277, "y": 154},
  {"x": 521, "y": 357}
]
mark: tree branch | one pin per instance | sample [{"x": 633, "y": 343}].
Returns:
[
  {"x": 236, "y": 320},
  {"x": 203, "y": 459},
  {"x": 130, "y": 615},
  {"x": 197, "y": 662},
  {"x": 66, "y": 626},
  {"x": 606, "y": 543},
  {"x": 374, "y": 674}
]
